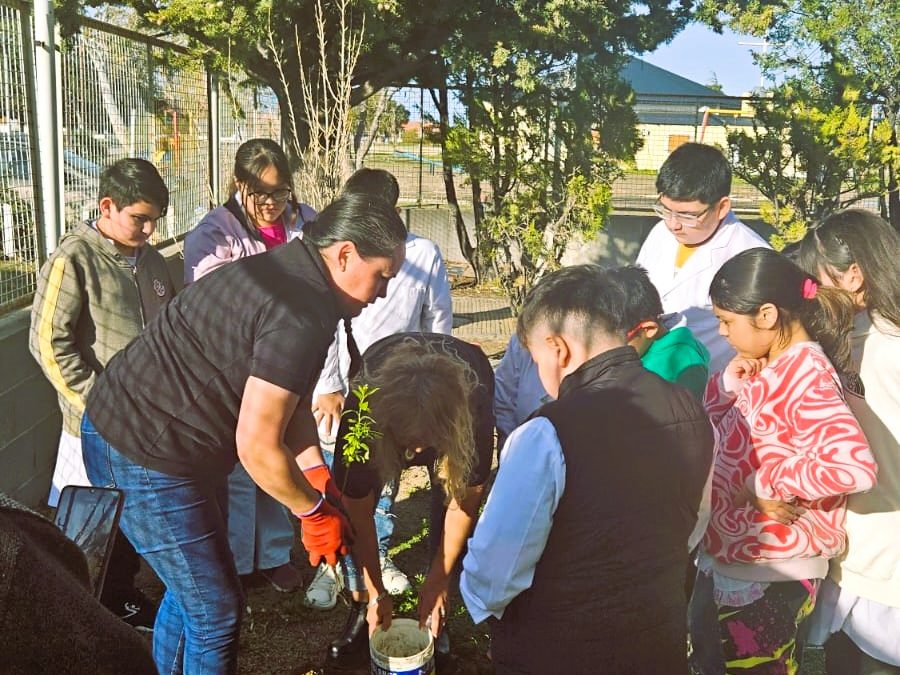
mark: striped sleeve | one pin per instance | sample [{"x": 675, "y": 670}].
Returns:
[{"x": 53, "y": 341}]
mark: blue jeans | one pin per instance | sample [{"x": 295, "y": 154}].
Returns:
[
  {"x": 384, "y": 518},
  {"x": 707, "y": 657},
  {"x": 179, "y": 526},
  {"x": 353, "y": 577},
  {"x": 260, "y": 531}
]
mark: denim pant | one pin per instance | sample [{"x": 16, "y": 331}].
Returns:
[
  {"x": 384, "y": 520},
  {"x": 706, "y": 657},
  {"x": 179, "y": 526},
  {"x": 260, "y": 531},
  {"x": 384, "y": 517},
  {"x": 353, "y": 577}
]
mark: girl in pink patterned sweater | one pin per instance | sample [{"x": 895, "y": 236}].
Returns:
[{"x": 789, "y": 451}]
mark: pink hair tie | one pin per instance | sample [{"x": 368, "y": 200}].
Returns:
[{"x": 810, "y": 287}]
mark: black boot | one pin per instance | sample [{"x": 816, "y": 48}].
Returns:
[{"x": 351, "y": 649}]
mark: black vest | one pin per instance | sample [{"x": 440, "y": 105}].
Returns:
[{"x": 608, "y": 591}]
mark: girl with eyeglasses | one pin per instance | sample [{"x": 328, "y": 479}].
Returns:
[
  {"x": 788, "y": 453},
  {"x": 261, "y": 213},
  {"x": 859, "y": 604}
]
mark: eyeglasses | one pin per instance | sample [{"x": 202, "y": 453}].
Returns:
[
  {"x": 277, "y": 196},
  {"x": 630, "y": 335},
  {"x": 686, "y": 219}
]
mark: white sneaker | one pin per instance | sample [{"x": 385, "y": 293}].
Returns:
[
  {"x": 323, "y": 590},
  {"x": 394, "y": 580}
]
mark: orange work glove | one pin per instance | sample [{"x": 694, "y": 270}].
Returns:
[
  {"x": 321, "y": 479},
  {"x": 326, "y": 533}
]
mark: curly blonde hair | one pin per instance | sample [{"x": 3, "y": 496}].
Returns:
[{"x": 423, "y": 400}]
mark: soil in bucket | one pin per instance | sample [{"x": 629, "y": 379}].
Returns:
[{"x": 404, "y": 649}]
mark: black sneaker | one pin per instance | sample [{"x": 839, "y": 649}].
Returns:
[
  {"x": 350, "y": 650},
  {"x": 136, "y": 610}
]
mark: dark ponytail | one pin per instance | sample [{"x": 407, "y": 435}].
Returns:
[
  {"x": 760, "y": 275},
  {"x": 370, "y": 223},
  {"x": 858, "y": 236}
]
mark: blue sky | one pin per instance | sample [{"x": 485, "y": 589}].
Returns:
[{"x": 697, "y": 52}]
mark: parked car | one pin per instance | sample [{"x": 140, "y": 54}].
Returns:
[{"x": 17, "y": 194}]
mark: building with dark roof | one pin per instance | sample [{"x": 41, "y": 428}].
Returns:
[{"x": 672, "y": 110}]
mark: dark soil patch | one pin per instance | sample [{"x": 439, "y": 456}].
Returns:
[{"x": 280, "y": 636}]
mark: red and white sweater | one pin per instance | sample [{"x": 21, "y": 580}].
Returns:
[{"x": 789, "y": 434}]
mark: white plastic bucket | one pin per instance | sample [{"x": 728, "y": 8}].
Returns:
[{"x": 404, "y": 649}]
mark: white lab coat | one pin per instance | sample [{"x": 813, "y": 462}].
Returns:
[{"x": 687, "y": 290}]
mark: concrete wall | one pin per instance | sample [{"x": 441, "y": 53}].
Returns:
[
  {"x": 436, "y": 223},
  {"x": 29, "y": 416}
]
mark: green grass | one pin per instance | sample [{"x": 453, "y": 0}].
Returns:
[{"x": 411, "y": 541}]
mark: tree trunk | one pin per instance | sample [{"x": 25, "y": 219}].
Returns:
[
  {"x": 893, "y": 200},
  {"x": 441, "y": 100},
  {"x": 294, "y": 127},
  {"x": 360, "y": 150},
  {"x": 467, "y": 96},
  {"x": 358, "y": 134}
]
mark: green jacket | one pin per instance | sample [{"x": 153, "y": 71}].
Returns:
[
  {"x": 88, "y": 305},
  {"x": 681, "y": 358}
]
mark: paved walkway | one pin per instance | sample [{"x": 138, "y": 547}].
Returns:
[{"x": 483, "y": 319}]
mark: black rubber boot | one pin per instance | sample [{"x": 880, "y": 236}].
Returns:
[{"x": 351, "y": 649}]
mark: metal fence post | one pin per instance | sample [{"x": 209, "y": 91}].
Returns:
[
  {"x": 47, "y": 130},
  {"x": 25, "y": 29},
  {"x": 421, "y": 138},
  {"x": 215, "y": 179}
]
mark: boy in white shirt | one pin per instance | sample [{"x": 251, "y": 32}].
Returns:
[
  {"x": 417, "y": 300},
  {"x": 698, "y": 232}
]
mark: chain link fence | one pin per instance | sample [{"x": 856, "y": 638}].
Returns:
[
  {"x": 406, "y": 143},
  {"x": 667, "y": 121},
  {"x": 120, "y": 94},
  {"x": 18, "y": 235},
  {"x": 398, "y": 130},
  {"x": 245, "y": 112},
  {"x": 123, "y": 94}
]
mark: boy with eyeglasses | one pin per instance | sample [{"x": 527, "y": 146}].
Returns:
[
  {"x": 673, "y": 354},
  {"x": 698, "y": 232}
]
